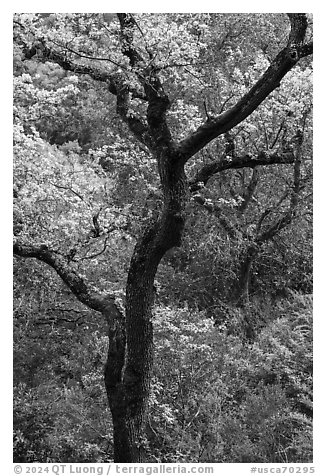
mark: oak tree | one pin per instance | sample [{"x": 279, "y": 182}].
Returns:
[{"x": 155, "y": 71}]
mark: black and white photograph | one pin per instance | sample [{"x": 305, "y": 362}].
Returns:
[{"x": 163, "y": 241}]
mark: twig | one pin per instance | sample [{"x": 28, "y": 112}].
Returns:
[
  {"x": 98, "y": 253},
  {"x": 69, "y": 189},
  {"x": 206, "y": 112}
]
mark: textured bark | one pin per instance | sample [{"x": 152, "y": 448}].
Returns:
[
  {"x": 130, "y": 354},
  {"x": 158, "y": 237},
  {"x": 106, "y": 304},
  {"x": 114, "y": 386},
  {"x": 85, "y": 292}
]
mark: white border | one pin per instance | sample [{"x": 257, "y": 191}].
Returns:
[{"x": 319, "y": 189}]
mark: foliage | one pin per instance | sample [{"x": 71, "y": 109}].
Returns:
[
  {"x": 215, "y": 398},
  {"x": 232, "y": 380},
  {"x": 60, "y": 411},
  {"x": 218, "y": 399}
]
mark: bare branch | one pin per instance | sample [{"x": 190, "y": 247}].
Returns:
[
  {"x": 297, "y": 171},
  {"x": 95, "y": 255},
  {"x": 214, "y": 209},
  {"x": 84, "y": 55},
  {"x": 250, "y": 190},
  {"x": 206, "y": 111},
  {"x": 278, "y": 134},
  {"x": 62, "y": 187},
  {"x": 291, "y": 213},
  {"x": 56, "y": 320},
  {"x": 64, "y": 310}
]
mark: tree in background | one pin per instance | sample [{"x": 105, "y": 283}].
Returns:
[{"x": 72, "y": 202}]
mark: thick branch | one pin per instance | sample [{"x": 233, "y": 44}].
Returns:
[
  {"x": 46, "y": 53},
  {"x": 268, "y": 82},
  {"x": 117, "y": 85},
  {"x": 305, "y": 50},
  {"x": 158, "y": 101},
  {"x": 134, "y": 122},
  {"x": 83, "y": 291},
  {"x": 299, "y": 24},
  {"x": 127, "y": 24},
  {"x": 263, "y": 159},
  {"x": 158, "y": 104},
  {"x": 105, "y": 304}
]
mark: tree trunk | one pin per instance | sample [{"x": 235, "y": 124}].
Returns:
[
  {"x": 130, "y": 356},
  {"x": 241, "y": 287},
  {"x": 114, "y": 386}
]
